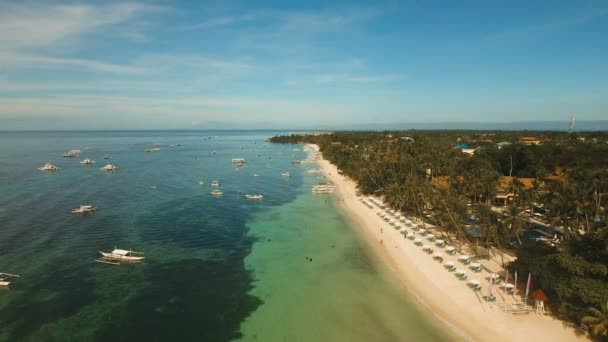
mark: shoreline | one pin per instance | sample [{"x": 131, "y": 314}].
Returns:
[{"x": 463, "y": 312}]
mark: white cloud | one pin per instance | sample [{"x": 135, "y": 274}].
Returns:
[
  {"x": 345, "y": 79},
  {"x": 33, "y": 61},
  {"x": 219, "y": 22},
  {"x": 43, "y": 25}
]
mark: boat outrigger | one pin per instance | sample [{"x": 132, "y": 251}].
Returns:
[
  {"x": 84, "y": 209},
  {"x": 117, "y": 256},
  {"x": 4, "y": 278}
]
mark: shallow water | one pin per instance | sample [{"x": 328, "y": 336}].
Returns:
[{"x": 216, "y": 269}]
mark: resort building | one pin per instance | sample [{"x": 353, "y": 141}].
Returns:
[{"x": 530, "y": 141}]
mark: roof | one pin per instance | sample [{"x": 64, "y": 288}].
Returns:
[
  {"x": 442, "y": 182},
  {"x": 120, "y": 252},
  {"x": 506, "y": 182},
  {"x": 540, "y": 295}
]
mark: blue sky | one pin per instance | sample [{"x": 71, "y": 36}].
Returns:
[{"x": 265, "y": 64}]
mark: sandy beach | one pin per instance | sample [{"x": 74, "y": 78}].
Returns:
[{"x": 464, "y": 311}]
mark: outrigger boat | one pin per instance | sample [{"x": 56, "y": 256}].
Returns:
[
  {"x": 84, "y": 209},
  {"x": 87, "y": 162},
  {"x": 4, "y": 278},
  {"x": 49, "y": 167},
  {"x": 72, "y": 153},
  {"x": 215, "y": 183},
  {"x": 254, "y": 197},
  {"x": 216, "y": 193},
  {"x": 286, "y": 174},
  {"x": 109, "y": 167},
  {"x": 117, "y": 256}
]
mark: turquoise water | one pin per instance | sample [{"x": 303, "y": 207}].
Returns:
[{"x": 216, "y": 269}]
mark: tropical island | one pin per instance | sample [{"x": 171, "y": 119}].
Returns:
[{"x": 527, "y": 204}]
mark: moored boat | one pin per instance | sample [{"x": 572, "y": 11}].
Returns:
[
  {"x": 49, "y": 167},
  {"x": 117, "y": 256},
  {"x": 254, "y": 197},
  {"x": 87, "y": 162},
  {"x": 4, "y": 278},
  {"x": 84, "y": 209},
  {"x": 109, "y": 167}
]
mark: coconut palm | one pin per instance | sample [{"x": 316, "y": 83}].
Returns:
[{"x": 597, "y": 320}]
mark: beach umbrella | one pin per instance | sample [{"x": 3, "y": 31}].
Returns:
[
  {"x": 422, "y": 231},
  {"x": 417, "y": 240},
  {"x": 463, "y": 257},
  {"x": 440, "y": 242},
  {"x": 475, "y": 265},
  {"x": 449, "y": 263},
  {"x": 437, "y": 255},
  {"x": 450, "y": 248},
  {"x": 540, "y": 295},
  {"x": 509, "y": 286},
  {"x": 460, "y": 271},
  {"x": 431, "y": 236},
  {"x": 425, "y": 247},
  {"x": 494, "y": 276},
  {"x": 402, "y": 229},
  {"x": 474, "y": 282}
]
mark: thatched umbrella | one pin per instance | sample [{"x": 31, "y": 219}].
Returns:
[{"x": 539, "y": 300}]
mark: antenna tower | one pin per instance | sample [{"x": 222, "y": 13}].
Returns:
[{"x": 571, "y": 125}]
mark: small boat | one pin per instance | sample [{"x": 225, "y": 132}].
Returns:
[
  {"x": 201, "y": 183},
  {"x": 254, "y": 197},
  {"x": 87, "y": 162},
  {"x": 49, "y": 167},
  {"x": 286, "y": 174},
  {"x": 84, "y": 209},
  {"x": 239, "y": 161},
  {"x": 256, "y": 175},
  {"x": 106, "y": 157},
  {"x": 72, "y": 153},
  {"x": 155, "y": 149},
  {"x": 295, "y": 162},
  {"x": 109, "y": 167},
  {"x": 4, "y": 278},
  {"x": 216, "y": 193},
  {"x": 215, "y": 183},
  {"x": 117, "y": 256}
]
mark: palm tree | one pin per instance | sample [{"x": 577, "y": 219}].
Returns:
[{"x": 598, "y": 320}]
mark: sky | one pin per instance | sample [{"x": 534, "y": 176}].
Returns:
[{"x": 280, "y": 64}]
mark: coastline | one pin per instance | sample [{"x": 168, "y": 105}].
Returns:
[{"x": 464, "y": 313}]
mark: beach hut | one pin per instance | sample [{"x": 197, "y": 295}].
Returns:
[
  {"x": 464, "y": 259},
  {"x": 450, "y": 250},
  {"x": 440, "y": 243},
  {"x": 539, "y": 301},
  {"x": 449, "y": 265},
  {"x": 476, "y": 267}
]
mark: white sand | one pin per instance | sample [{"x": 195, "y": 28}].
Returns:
[{"x": 438, "y": 290}]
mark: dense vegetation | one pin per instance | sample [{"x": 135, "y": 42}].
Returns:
[{"x": 558, "y": 178}]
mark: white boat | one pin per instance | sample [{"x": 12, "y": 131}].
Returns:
[
  {"x": 72, "y": 153},
  {"x": 109, "y": 167},
  {"x": 254, "y": 197},
  {"x": 286, "y": 174},
  {"x": 49, "y": 167},
  {"x": 106, "y": 157},
  {"x": 215, "y": 183},
  {"x": 256, "y": 175},
  {"x": 239, "y": 160},
  {"x": 117, "y": 256},
  {"x": 155, "y": 149},
  {"x": 4, "y": 278},
  {"x": 201, "y": 183},
  {"x": 87, "y": 162},
  {"x": 328, "y": 188},
  {"x": 216, "y": 193},
  {"x": 84, "y": 209}
]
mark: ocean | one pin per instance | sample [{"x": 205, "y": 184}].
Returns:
[{"x": 287, "y": 268}]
